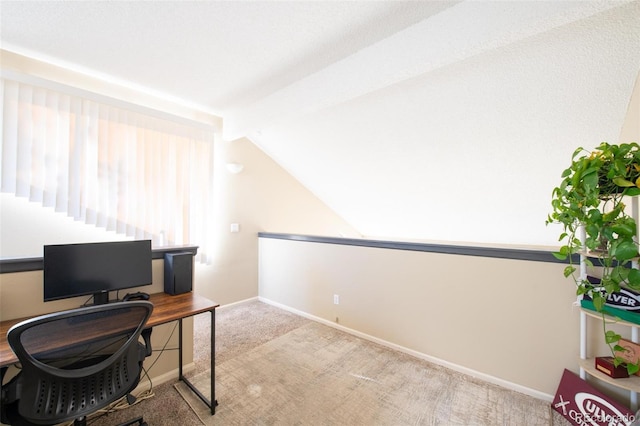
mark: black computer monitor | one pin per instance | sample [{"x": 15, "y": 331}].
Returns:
[{"x": 72, "y": 270}]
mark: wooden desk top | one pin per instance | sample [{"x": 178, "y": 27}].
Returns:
[{"x": 166, "y": 308}]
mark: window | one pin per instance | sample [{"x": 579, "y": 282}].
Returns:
[{"x": 135, "y": 173}]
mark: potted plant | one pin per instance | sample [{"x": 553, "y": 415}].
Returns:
[{"x": 590, "y": 205}]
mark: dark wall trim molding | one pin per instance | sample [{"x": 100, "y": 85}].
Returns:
[
  {"x": 501, "y": 253},
  {"x": 35, "y": 263}
]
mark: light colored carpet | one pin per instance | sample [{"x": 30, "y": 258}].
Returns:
[{"x": 317, "y": 375}]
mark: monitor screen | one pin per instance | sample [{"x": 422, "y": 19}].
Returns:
[{"x": 95, "y": 268}]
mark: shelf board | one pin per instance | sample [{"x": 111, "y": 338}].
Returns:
[
  {"x": 609, "y": 318},
  {"x": 631, "y": 383}
]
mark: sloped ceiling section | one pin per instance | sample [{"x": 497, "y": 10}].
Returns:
[
  {"x": 423, "y": 120},
  {"x": 470, "y": 149}
]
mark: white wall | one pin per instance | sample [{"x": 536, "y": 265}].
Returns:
[
  {"x": 507, "y": 321},
  {"x": 263, "y": 197}
]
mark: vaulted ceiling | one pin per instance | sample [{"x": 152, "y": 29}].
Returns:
[{"x": 439, "y": 120}]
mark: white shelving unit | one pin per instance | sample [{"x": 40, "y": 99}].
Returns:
[{"x": 587, "y": 365}]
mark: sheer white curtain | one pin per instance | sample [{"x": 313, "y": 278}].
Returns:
[{"x": 125, "y": 171}]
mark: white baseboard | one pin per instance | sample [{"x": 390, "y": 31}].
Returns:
[
  {"x": 240, "y": 302},
  {"x": 461, "y": 369}
]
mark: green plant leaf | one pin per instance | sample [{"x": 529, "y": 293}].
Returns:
[
  {"x": 559, "y": 255},
  {"x": 610, "y": 286},
  {"x": 611, "y": 336},
  {"x": 598, "y": 301},
  {"x": 632, "y": 368},
  {"x": 625, "y": 250},
  {"x": 611, "y": 215},
  {"x": 576, "y": 152},
  {"x": 622, "y": 182},
  {"x": 633, "y": 279},
  {"x": 593, "y": 230},
  {"x": 590, "y": 179},
  {"x": 624, "y": 228},
  {"x": 569, "y": 270},
  {"x": 619, "y": 274}
]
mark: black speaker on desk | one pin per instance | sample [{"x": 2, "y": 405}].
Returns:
[{"x": 178, "y": 272}]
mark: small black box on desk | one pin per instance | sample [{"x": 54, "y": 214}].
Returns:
[{"x": 178, "y": 272}]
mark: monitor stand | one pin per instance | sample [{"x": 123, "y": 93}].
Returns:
[{"x": 101, "y": 298}]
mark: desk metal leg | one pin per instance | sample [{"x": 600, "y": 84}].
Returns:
[
  {"x": 180, "y": 376},
  {"x": 213, "y": 363}
]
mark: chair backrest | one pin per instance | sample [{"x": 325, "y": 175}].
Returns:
[{"x": 76, "y": 362}]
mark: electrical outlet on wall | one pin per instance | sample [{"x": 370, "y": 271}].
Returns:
[{"x": 336, "y": 299}]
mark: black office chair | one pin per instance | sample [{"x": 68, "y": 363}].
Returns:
[{"x": 75, "y": 362}]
